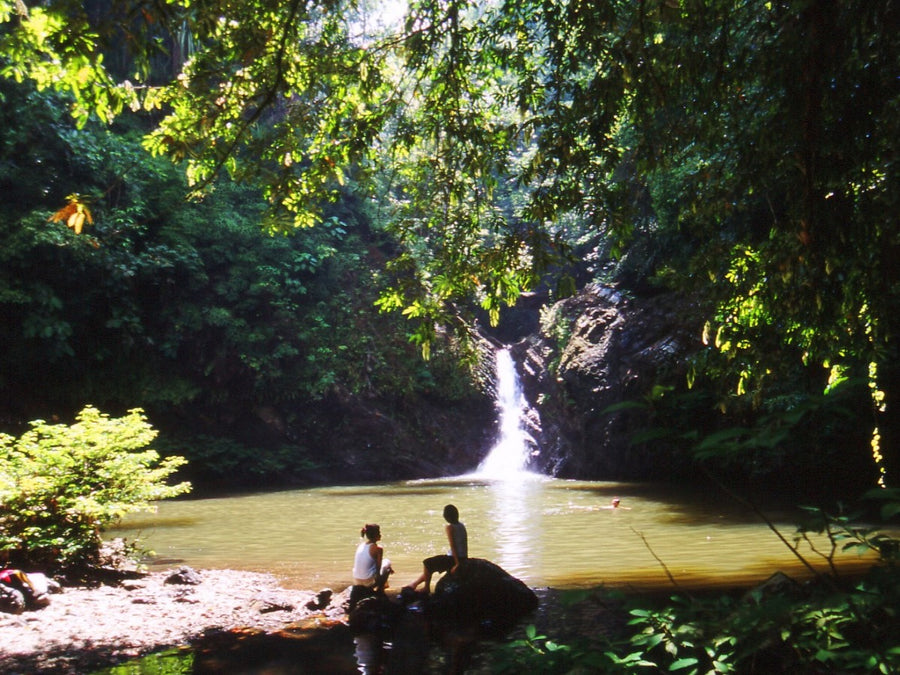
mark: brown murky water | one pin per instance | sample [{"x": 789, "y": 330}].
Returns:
[{"x": 545, "y": 531}]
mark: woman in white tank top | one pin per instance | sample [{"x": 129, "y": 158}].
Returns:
[{"x": 370, "y": 568}]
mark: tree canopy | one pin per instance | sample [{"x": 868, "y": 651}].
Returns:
[{"x": 743, "y": 149}]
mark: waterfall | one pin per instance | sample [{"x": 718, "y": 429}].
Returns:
[{"x": 509, "y": 456}]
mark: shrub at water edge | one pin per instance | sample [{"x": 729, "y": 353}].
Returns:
[{"x": 60, "y": 485}]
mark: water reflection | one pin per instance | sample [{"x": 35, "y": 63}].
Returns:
[
  {"x": 370, "y": 654},
  {"x": 516, "y": 517},
  {"x": 545, "y": 531}
]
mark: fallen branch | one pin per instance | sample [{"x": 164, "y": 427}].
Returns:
[{"x": 660, "y": 561}]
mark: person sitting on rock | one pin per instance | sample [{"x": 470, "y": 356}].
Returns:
[
  {"x": 459, "y": 551},
  {"x": 370, "y": 568}
]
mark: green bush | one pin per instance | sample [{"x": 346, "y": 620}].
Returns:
[{"x": 60, "y": 485}]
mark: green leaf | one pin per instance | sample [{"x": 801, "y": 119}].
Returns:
[{"x": 681, "y": 664}]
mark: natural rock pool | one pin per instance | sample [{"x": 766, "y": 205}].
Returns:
[{"x": 545, "y": 531}]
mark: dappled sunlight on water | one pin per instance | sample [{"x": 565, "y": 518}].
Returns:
[{"x": 542, "y": 530}]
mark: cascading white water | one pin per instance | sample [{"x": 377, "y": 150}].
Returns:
[{"x": 509, "y": 457}]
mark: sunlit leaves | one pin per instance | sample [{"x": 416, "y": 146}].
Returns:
[
  {"x": 765, "y": 145},
  {"x": 734, "y": 152},
  {"x": 75, "y": 214},
  {"x": 287, "y": 94},
  {"x": 290, "y": 108},
  {"x": 57, "y": 48},
  {"x": 60, "y": 484}
]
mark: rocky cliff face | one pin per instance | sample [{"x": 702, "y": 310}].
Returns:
[{"x": 595, "y": 350}]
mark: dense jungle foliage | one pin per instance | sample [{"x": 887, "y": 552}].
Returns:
[
  {"x": 740, "y": 151},
  {"x": 189, "y": 310},
  {"x": 364, "y": 190}
]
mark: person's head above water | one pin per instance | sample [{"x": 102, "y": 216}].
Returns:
[
  {"x": 370, "y": 531},
  {"x": 615, "y": 502},
  {"x": 451, "y": 514}
]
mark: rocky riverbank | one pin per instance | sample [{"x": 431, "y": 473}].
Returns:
[{"x": 87, "y": 627}]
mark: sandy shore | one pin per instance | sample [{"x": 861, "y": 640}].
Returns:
[{"x": 86, "y": 628}]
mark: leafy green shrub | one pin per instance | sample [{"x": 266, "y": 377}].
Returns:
[
  {"x": 792, "y": 630},
  {"x": 60, "y": 485},
  {"x": 539, "y": 653}
]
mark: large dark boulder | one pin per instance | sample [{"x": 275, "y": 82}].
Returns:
[
  {"x": 370, "y": 612},
  {"x": 482, "y": 596}
]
